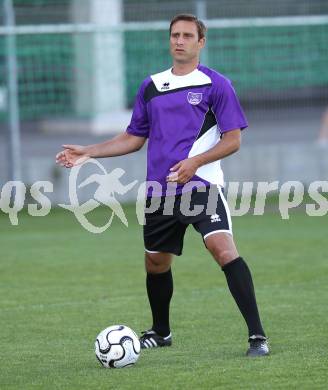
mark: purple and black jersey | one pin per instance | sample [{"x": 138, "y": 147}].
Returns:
[{"x": 184, "y": 116}]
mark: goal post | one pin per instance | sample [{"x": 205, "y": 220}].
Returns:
[
  {"x": 14, "y": 161},
  {"x": 98, "y": 58}
]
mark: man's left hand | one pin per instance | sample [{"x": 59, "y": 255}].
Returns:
[{"x": 183, "y": 171}]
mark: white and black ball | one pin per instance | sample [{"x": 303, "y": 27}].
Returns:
[{"x": 117, "y": 346}]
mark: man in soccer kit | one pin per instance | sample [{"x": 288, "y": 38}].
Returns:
[{"x": 192, "y": 119}]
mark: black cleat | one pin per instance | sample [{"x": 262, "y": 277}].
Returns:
[
  {"x": 258, "y": 346},
  {"x": 150, "y": 339}
]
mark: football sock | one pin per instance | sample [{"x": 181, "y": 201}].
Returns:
[
  {"x": 241, "y": 286},
  {"x": 160, "y": 290}
]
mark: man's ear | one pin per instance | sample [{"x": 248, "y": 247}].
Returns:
[{"x": 202, "y": 42}]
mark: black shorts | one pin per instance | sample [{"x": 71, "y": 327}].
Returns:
[{"x": 167, "y": 218}]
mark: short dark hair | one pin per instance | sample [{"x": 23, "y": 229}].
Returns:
[{"x": 201, "y": 28}]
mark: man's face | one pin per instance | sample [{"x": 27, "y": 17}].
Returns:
[{"x": 184, "y": 43}]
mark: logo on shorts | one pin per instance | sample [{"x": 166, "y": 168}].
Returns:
[
  {"x": 194, "y": 98},
  {"x": 215, "y": 218}
]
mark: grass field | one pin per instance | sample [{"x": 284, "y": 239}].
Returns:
[{"x": 60, "y": 285}]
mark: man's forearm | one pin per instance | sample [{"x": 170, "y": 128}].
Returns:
[
  {"x": 121, "y": 144},
  {"x": 229, "y": 144}
]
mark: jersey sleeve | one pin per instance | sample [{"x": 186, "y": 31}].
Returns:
[
  {"x": 139, "y": 124},
  {"x": 226, "y": 107}
]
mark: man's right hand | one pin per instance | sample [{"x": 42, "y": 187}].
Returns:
[
  {"x": 120, "y": 145},
  {"x": 72, "y": 155}
]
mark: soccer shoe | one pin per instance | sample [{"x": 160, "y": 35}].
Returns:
[
  {"x": 258, "y": 346},
  {"x": 150, "y": 339}
]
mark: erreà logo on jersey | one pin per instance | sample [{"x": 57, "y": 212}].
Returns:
[
  {"x": 165, "y": 86},
  {"x": 194, "y": 98}
]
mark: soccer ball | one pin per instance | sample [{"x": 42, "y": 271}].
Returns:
[{"x": 117, "y": 347}]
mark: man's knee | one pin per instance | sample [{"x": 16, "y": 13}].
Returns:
[
  {"x": 222, "y": 248},
  {"x": 156, "y": 263}
]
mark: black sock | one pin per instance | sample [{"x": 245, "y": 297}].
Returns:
[
  {"x": 160, "y": 290},
  {"x": 240, "y": 283}
]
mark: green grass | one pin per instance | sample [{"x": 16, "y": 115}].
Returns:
[{"x": 60, "y": 285}]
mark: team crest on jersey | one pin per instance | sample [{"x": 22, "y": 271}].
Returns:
[{"x": 194, "y": 98}]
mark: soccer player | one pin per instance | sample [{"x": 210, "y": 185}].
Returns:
[{"x": 192, "y": 119}]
